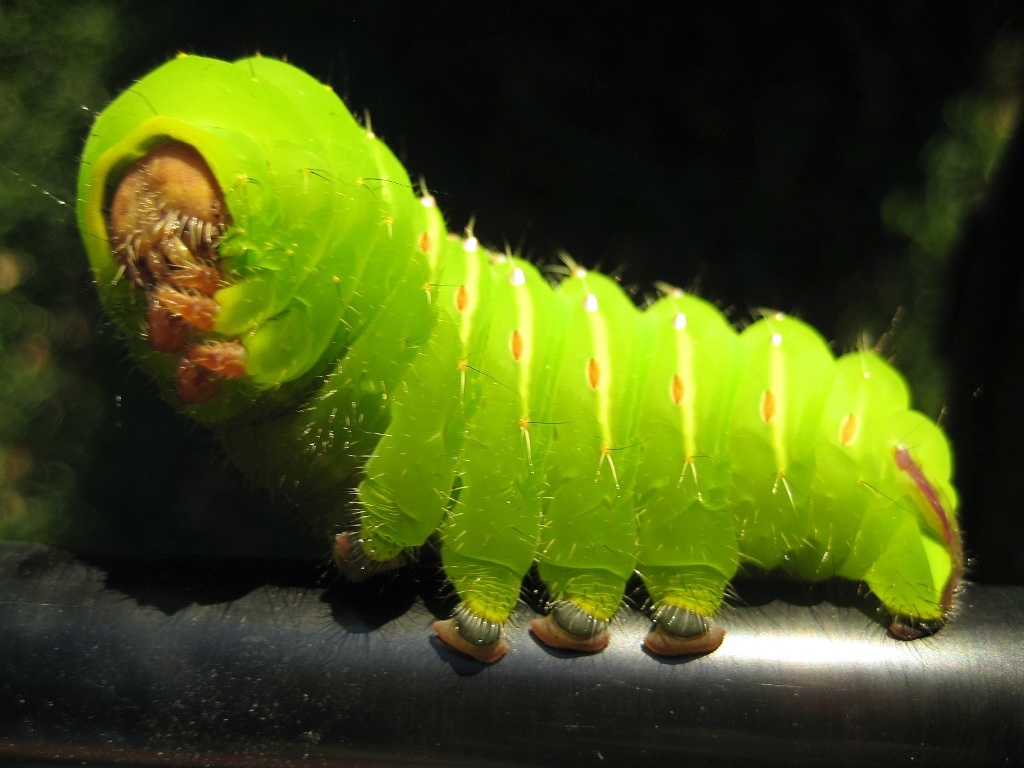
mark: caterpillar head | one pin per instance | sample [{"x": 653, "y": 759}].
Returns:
[{"x": 215, "y": 205}]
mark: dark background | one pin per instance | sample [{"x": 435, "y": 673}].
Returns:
[{"x": 748, "y": 155}]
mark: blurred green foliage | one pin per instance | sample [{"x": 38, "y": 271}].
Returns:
[
  {"x": 959, "y": 163},
  {"x": 52, "y": 61}
]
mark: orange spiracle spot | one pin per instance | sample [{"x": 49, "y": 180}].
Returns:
[
  {"x": 517, "y": 344},
  {"x": 593, "y": 373},
  {"x": 677, "y": 388},
  {"x": 425, "y": 242},
  {"x": 848, "y": 429},
  {"x": 768, "y": 406},
  {"x": 461, "y": 298}
]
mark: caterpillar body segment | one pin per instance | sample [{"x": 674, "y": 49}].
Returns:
[{"x": 298, "y": 295}]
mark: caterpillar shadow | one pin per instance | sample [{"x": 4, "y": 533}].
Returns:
[{"x": 173, "y": 585}]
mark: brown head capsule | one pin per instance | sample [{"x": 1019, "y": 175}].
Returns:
[{"x": 166, "y": 219}]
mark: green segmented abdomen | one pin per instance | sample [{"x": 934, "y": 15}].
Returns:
[
  {"x": 328, "y": 326},
  {"x": 688, "y": 548},
  {"x": 772, "y": 436}
]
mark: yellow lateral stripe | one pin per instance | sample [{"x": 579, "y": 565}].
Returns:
[
  {"x": 525, "y": 326},
  {"x": 599, "y": 340},
  {"x": 684, "y": 368},
  {"x": 777, "y": 385},
  {"x": 471, "y": 283},
  {"x": 431, "y": 241}
]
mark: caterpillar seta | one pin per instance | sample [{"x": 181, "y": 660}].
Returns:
[{"x": 295, "y": 294}]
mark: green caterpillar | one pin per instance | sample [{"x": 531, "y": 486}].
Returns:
[{"x": 298, "y": 296}]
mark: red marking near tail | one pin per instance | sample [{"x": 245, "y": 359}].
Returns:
[{"x": 906, "y": 463}]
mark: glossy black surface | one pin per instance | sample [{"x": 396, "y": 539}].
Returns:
[{"x": 247, "y": 663}]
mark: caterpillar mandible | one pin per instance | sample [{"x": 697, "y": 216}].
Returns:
[{"x": 296, "y": 294}]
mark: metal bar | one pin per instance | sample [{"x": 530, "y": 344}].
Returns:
[{"x": 227, "y": 663}]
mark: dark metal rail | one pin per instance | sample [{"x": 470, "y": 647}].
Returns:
[{"x": 229, "y": 663}]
